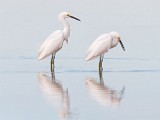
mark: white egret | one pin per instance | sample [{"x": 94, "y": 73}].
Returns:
[
  {"x": 102, "y": 45},
  {"x": 55, "y": 41}
]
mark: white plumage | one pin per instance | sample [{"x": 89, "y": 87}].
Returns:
[
  {"x": 102, "y": 45},
  {"x": 99, "y": 47},
  {"x": 55, "y": 41},
  {"x": 51, "y": 45}
]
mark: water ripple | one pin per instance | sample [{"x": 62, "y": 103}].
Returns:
[{"x": 83, "y": 71}]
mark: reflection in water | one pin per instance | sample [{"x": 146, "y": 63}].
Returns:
[
  {"x": 55, "y": 93},
  {"x": 102, "y": 93}
]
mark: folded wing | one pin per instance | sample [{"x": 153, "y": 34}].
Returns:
[
  {"x": 101, "y": 45},
  {"x": 51, "y": 45}
]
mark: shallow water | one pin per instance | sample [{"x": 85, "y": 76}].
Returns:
[
  {"x": 28, "y": 91},
  {"x": 129, "y": 86}
]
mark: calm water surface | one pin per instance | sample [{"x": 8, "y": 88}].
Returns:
[
  {"x": 128, "y": 88},
  {"x": 28, "y": 90}
]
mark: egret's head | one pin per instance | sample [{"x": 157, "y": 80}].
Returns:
[
  {"x": 116, "y": 36},
  {"x": 64, "y": 15}
]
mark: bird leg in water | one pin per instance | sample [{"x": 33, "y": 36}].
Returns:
[
  {"x": 101, "y": 78},
  {"x": 100, "y": 63},
  {"x": 52, "y": 63}
]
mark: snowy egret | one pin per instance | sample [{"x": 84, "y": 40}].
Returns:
[
  {"x": 55, "y": 41},
  {"x": 102, "y": 45}
]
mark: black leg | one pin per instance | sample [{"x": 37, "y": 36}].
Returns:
[
  {"x": 101, "y": 69},
  {"x": 100, "y": 63},
  {"x": 52, "y": 63},
  {"x": 101, "y": 77},
  {"x": 52, "y": 68}
]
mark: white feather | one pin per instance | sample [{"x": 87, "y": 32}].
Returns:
[
  {"x": 101, "y": 45},
  {"x": 51, "y": 45}
]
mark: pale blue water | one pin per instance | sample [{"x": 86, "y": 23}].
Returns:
[
  {"x": 27, "y": 91},
  {"x": 130, "y": 87}
]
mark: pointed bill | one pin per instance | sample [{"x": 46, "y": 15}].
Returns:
[
  {"x": 74, "y": 17},
  {"x": 122, "y": 45}
]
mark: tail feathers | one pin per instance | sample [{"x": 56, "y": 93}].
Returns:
[
  {"x": 42, "y": 56},
  {"x": 88, "y": 58}
]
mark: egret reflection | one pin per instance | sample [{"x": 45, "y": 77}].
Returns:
[
  {"x": 53, "y": 90},
  {"x": 102, "y": 93}
]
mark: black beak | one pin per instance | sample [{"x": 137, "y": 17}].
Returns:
[
  {"x": 74, "y": 18},
  {"x": 122, "y": 45}
]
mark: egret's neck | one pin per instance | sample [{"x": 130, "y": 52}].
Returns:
[
  {"x": 114, "y": 42},
  {"x": 66, "y": 30}
]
